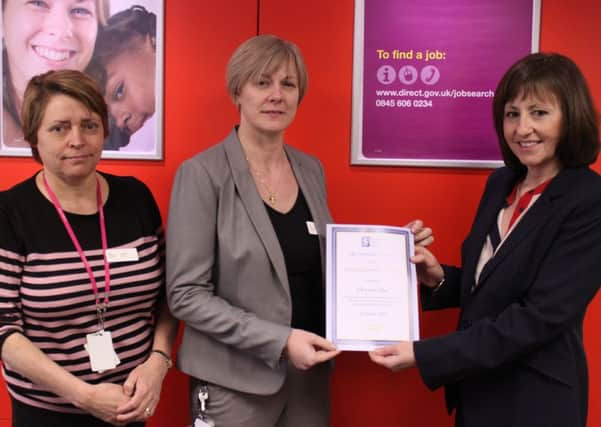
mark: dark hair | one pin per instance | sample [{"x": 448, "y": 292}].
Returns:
[
  {"x": 262, "y": 55},
  {"x": 551, "y": 75},
  {"x": 123, "y": 31},
  {"x": 43, "y": 87}
]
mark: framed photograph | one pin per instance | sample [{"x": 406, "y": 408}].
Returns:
[
  {"x": 424, "y": 76},
  {"x": 117, "y": 42}
]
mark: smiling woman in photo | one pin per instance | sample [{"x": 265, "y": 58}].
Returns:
[{"x": 39, "y": 36}]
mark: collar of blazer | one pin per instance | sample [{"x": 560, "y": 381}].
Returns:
[
  {"x": 500, "y": 184},
  {"x": 254, "y": 204}
]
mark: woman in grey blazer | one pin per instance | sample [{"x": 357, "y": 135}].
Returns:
[
  {"x": 530, "y": 264},
  {"x": 244, "y": 265}
]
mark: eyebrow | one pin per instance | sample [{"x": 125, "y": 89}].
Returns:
[
  {"x": 68, "y": 122},
  {"x": 61, "y": 122},
  {"x": 270, "y": 76},
  {"x": 90, "y": 3},
  {"x": 534, "y": 105}
]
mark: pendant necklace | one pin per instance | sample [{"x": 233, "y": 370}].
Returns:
[{"x": 271, "y": 193}]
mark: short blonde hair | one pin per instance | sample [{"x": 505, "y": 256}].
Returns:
[
  {"x": 261, "y": 55},
  {"x": 103, "y": 11}
]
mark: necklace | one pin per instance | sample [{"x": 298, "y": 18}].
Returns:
[{"x": 261, "y": 177}]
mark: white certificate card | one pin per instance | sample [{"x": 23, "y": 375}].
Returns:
[{"x": 371, "y": 286}]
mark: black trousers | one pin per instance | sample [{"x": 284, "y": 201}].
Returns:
[{"x": 30, "y": 416}]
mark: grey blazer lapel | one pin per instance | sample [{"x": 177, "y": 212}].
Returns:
[
  {"x": 254, "y": 206},
  {"x": 309, "y": 186}
]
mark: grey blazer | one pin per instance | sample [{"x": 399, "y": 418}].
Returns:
[{"x": 226, "y": 276}]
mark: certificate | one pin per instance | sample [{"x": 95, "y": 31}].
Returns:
[{"x": 371, "y": 286}]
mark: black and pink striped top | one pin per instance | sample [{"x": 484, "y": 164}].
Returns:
[{"x": 45, "y": 292}]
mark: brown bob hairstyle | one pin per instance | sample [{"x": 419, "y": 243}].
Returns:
[
  {"x": 43, "y": 87},
  {"x": 262, "y": 55},
  {"x": 551, "y": 76}
]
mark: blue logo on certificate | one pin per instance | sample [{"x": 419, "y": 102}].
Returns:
[{"x": 365, "y": 242}]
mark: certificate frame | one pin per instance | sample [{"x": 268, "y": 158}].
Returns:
[
  {"x": 145, "y": 141},
  {"x": 368, "y": 240},
  {"x": 409, "y": 120}
]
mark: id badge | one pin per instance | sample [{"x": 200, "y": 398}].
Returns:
[
  {"x": 102, "y": 354},
  {"x": 203, "y": 422}
]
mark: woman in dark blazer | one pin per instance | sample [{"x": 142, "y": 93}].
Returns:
[
  {"x": 530, "y": 264},
  {"x": 244, "y": 265}
]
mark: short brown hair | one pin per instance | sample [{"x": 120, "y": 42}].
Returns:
[
  {"x": 262, "y": 55},
  {"x": 557, "y": 77},
  {"x": 43, "y": 87}
]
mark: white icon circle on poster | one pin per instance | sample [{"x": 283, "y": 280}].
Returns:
[
  {"x": 430, "y": 75},
  {"x": 386, "y": 74},
  {"x": 408, "y": 74}
]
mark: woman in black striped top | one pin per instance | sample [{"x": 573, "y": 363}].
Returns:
[{"x": 85, "y": 334}]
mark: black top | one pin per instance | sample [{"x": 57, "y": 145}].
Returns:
[
  {"x": 303, "y": 264},
  {"x": 45, "y": 291}
]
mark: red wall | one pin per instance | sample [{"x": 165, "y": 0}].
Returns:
[{"x": 200, "y": 36}]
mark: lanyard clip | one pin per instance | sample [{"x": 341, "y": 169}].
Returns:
[{"x": 100, "y": 312}]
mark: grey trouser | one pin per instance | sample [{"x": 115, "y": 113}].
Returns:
[{"x": 303, "y": 401}]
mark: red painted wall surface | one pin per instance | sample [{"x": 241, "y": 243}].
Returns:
[{"x": 200, "y": 36}]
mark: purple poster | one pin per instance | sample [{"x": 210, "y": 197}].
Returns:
[{"x": 425, "y": 74}]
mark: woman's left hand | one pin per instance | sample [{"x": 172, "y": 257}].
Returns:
[
  {"x": 394, "y": 357},
  {"x": 422, "y": 235},
  {"x": 143, "y": 385}
]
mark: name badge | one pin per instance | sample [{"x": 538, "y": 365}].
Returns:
[
  {"x": 122, "y": 255},
  {"x": 102, "y": 353},
  {"x": 311, "y": 228},
  {"x": 199, "y": 422}
]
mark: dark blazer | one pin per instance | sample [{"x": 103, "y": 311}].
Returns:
[
  {"x": 226, "y": 275},
  {"x": 517, "y": 358}
]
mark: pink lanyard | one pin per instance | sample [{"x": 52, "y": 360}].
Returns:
[{"x": 100, "y": 308}]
